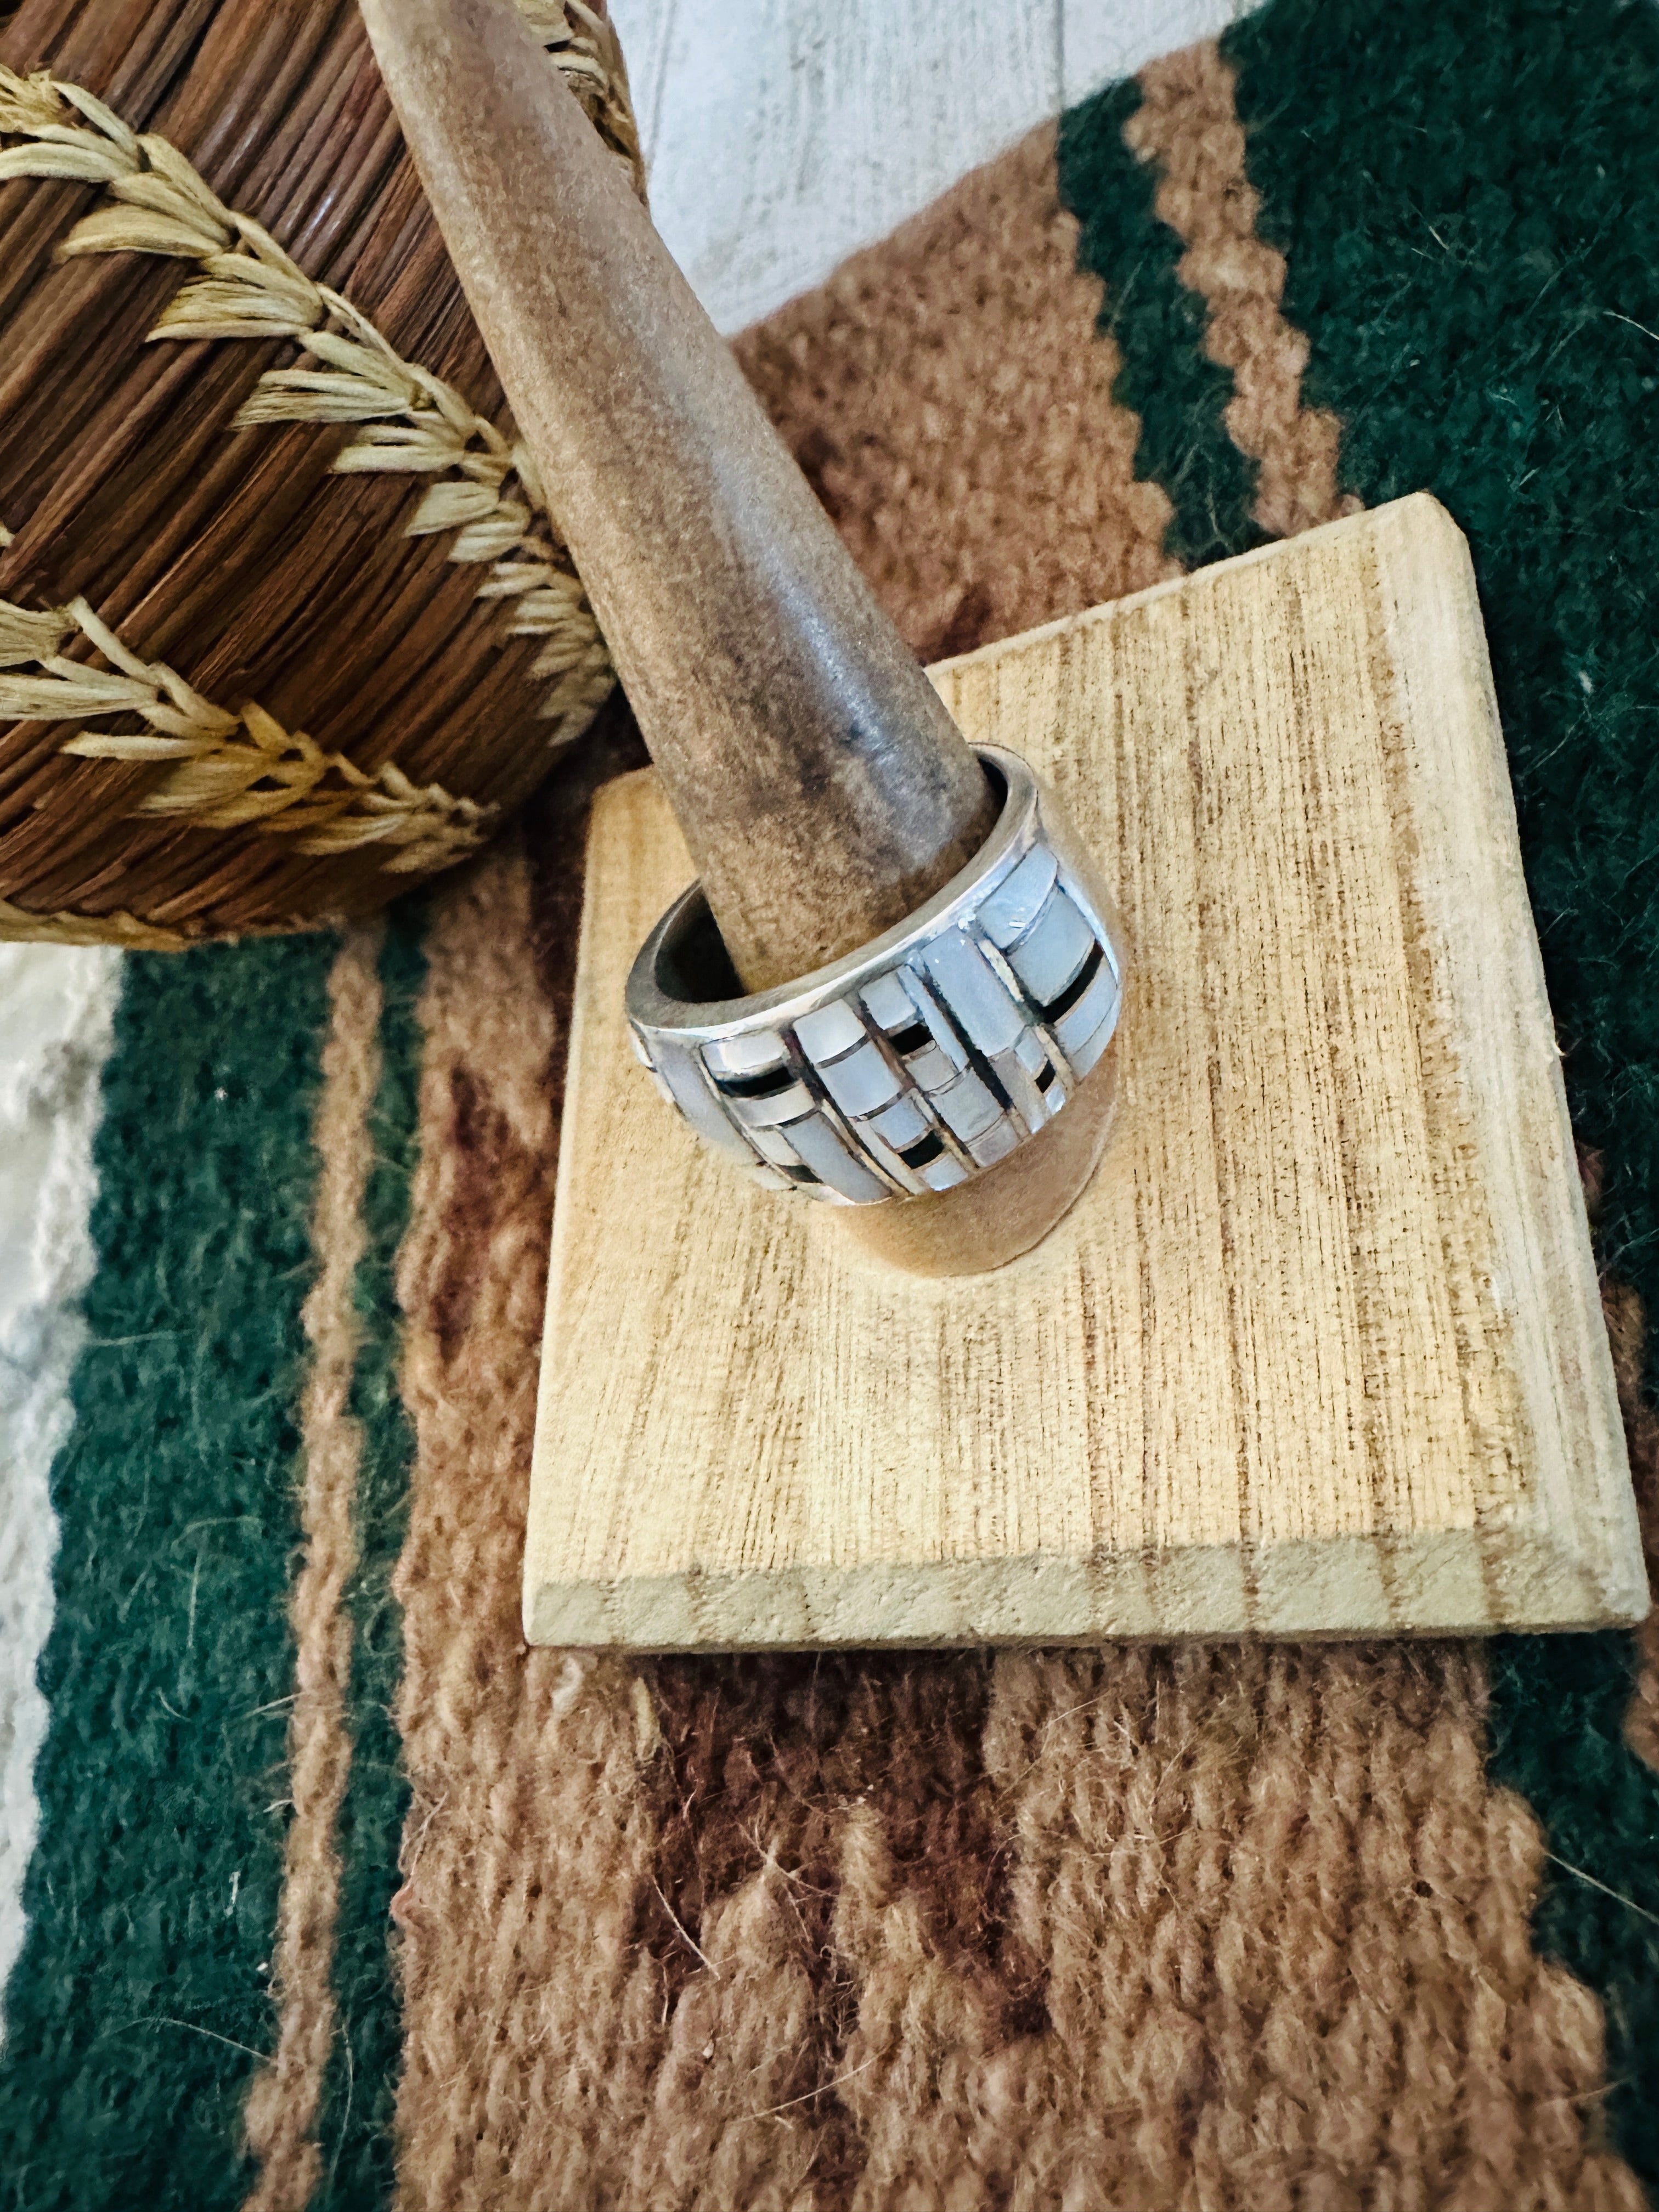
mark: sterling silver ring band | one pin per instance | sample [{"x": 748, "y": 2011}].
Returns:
[{"x": 918, "y": 1061}]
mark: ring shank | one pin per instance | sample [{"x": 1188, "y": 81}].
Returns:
[{"x": 918, "y": 1063}]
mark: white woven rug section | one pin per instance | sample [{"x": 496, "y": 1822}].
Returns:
[{"x": 57, "y": 1009}]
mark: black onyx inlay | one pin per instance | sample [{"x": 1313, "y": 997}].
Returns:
[
  {"x": 1045, "y": 1080},
  {"x": 1079, "y": 983},
  {"x": 911, "y": 1039},
  {"x": 924, "y": 1150},
  {"x": 767, "y": 1084}
]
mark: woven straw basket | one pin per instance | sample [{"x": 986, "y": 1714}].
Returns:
[{"x": 284, "y": 625}]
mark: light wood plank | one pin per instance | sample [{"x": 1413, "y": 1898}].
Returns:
[{"x": 1320, "y": 1349}]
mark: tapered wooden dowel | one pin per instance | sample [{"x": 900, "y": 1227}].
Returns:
[{"x": 822, "y": 789}]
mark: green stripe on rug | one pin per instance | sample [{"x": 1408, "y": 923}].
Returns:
[
  {"x": 1159, "y": 325},
  {"x": 140, "y": 2006},
  {"x": 359, "y": 2090},
  {"x": 1471, "y": 222},
  {"x": 1557, "y": 1733}
]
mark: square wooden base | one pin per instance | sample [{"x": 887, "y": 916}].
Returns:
[{"x": 1319, "y": 1352}]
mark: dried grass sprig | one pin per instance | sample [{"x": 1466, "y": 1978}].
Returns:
[
  {"x": 18, "y": 925},
  {"x": 230, "y": 770},
  {"x": 411, "y": 422}
]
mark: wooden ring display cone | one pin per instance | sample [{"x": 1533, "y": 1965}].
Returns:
[
  {"x": 822, "y": 789},
  {"x": 1318, "y": 1349}
]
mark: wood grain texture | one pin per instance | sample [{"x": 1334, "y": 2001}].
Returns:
[{"x": 1318, "y": 1352}]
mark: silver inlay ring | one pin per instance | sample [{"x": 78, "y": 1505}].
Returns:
[{"x": 921, "y": 1059}]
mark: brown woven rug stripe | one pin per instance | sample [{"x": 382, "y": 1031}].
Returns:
[
  {"x": 948, "y": 396},
  {"x": 800, "y": 1799},
  {"x": 1242, "y": 1925},
  {"x": 733, "y": 1917},
  {"x": 533, "y": 2023},
  {"x": 1282, "y": 1921},
  {"x": 1187, "y": 126},
  {"x": 287, "y": 2094}
]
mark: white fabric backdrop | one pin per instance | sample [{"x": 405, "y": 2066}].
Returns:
[{"x": 783, "y": 136}]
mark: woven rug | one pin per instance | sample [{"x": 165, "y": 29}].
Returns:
[{"x": 339, "y": 1896}]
